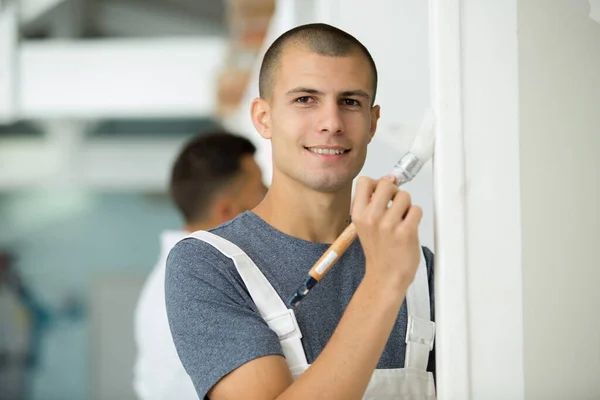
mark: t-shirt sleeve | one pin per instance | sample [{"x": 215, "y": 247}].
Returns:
[
  {"x": 215, "y": 325},
  {"x": 429, "y": 260}
]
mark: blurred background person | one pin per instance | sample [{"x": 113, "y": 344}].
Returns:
[{"x": 214, "y": 178}]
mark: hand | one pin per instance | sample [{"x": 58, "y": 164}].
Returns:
[{"x": 389, "y": 235}]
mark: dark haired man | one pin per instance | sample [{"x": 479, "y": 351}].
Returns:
[{"x": 214, "y": 178}]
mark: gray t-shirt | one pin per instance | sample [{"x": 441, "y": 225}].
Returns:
[{"x": 215, "y": 324}]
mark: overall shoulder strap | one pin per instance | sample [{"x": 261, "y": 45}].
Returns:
[{"x": 420, "y": 330}]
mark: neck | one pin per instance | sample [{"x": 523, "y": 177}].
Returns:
[
  {"x": 199, "y": 226},
  {"x": 304, "y": 213}
]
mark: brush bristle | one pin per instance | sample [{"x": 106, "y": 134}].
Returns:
[{"x": 422, "y": 146}]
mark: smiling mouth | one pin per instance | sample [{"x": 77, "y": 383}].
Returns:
[{"x": 327, "y": 151}]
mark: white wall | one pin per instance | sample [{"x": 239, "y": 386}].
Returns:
[
  {"x": 559, "y": 82},
  {"x": 485, "y": 86}
]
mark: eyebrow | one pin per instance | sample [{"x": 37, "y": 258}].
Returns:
[{"x": 347, "y": 93}]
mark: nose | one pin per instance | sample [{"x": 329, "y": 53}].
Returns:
[{"x": 330, "y": 119}]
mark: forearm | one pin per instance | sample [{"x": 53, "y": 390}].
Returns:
[{"x": 344, "y": 367}]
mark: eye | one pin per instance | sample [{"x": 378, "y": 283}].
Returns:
[
  {"x": 350, "y": 102},
  {"x": 304, "y": 99}
]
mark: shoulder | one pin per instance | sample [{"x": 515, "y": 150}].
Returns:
[
  {"x": 194, "y": 257},
  {"x": 196, "y": 269},
  {"x": 193, "y": 267}
]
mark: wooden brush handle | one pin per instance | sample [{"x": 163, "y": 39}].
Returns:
[{"x": 334, "y": 252}]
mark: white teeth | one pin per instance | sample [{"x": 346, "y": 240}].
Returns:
[{"x": 326, "y": 151}]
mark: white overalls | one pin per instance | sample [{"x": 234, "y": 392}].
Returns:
[{"x": 409, "y": 383}]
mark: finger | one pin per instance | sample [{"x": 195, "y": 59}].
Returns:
[
  {"x": 364, "y": 189},
  {"x": 401, "y": 204},
  {"x": 391, "y": 177},
  {"x": 413, "y": 217},
  {"x": 384, "y": 193}
]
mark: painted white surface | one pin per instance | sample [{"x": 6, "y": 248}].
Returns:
[
  {"x": 559, "y": 85},
  {"x": 492, "y": 196},
  {"x": 477, "y": 190},
  {"x": 452, "y": 324},
  {"x": 595, "y": 10}
]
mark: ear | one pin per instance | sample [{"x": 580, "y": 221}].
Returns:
[
  {"x": 375, "y": 114},
  {"x": 261, "y": 119}
]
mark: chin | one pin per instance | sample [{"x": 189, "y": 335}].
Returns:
[
  {"x": 318, "y": 180},
  {"x": 328, "y": 185}
]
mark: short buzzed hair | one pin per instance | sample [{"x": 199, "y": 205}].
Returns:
[
  {"x": 319, "y": 38},
  {"x": 206, "y": 165}
]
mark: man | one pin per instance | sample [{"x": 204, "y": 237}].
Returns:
[
  {"x": 214, "y": 178},
  {"x": 353, "y": 335}
]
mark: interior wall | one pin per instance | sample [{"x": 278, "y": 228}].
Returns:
[{"x": 559, "y": 84}]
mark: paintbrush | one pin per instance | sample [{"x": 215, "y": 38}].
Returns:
[{"x": 405, "y": 170}]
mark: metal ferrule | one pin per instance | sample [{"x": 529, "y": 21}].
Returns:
[{"x": 407, "y": 168}]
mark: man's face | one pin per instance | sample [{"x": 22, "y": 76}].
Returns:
[{"x": 319, "y": 118}]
